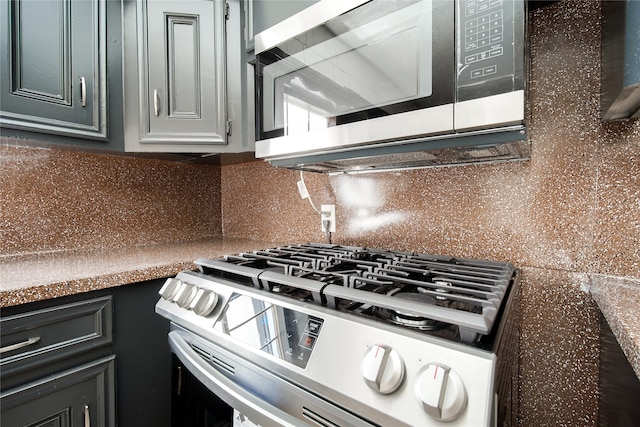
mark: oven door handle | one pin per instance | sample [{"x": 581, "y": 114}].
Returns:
[{"x": 256, "y": 409}]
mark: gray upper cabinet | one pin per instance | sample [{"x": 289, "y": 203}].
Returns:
[
  {"x": 175, "y": 76},
  {"x": 53, "y": 67},
  {"x": 127, "y": 75}
]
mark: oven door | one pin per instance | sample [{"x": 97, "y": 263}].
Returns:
[
  {"x": 324, "y": 72},
  {"x": 254, "y": 394}
]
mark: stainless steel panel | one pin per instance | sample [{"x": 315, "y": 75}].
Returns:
[
  {"x": 432, "y": 121},
  {"x": 497, "y": 110},
  {"x": 264, "y": 397},
  {"x": 310, "y": 17},
  {"x": 485, "y": 146}
]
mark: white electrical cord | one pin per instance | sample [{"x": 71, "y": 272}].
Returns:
[
  {"x": 302, "y": 188},
  {"x": 304, "y": 193}
]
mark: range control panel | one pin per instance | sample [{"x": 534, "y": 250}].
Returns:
[{"x": 282, "y": 332}]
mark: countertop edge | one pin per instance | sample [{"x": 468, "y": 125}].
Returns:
[
  {"x": 36, "y": 277},
  {"x": 87, "y": 284},
  {"x": 618, "y": 299}
]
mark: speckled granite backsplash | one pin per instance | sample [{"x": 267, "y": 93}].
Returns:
[
  {"x": 573, "y": 209},
  {"x": 60, "y": 200},
  {"x": 571, "y": 212}
]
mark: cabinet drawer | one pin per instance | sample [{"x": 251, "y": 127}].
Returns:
[{"x": 42, "y": 337}]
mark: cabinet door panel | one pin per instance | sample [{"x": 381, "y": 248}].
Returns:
[
  {"x": 184, "y": 57},
  {"x": 54, "y": 80},
  {"x": 183, "y": 42},
  {"x": 65, "y": 399},
  {"x": 39, "y": 73}
]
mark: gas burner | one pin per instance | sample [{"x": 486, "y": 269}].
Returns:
[{"x": 408, "y": 319}]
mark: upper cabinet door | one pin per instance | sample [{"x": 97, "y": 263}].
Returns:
[
  {"x": 181, "y": 66},
  {"x": 53, "y": 67}
]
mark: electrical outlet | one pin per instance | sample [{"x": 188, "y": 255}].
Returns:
[{"x": 328, "y": 213}]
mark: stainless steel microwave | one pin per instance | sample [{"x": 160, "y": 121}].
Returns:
[{"x": 361, "y": 85}]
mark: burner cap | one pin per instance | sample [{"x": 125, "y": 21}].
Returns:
[
  {"x": 409, "y": 319},
  {"x": 421, "y": 323}
]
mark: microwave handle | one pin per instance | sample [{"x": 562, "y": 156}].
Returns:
[{"x": 235, "y": 396}]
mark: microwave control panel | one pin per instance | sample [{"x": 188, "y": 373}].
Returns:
[{"x": 487, "y": 46}]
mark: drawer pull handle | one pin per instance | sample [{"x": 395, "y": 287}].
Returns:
[
  {"x": 87, "y": 418},
  {"x": 156, "y": 102},
  {"x": 83, "y": 91},
  {"x": 179, "y": 380},
  {"x": 19, "y": 345}
]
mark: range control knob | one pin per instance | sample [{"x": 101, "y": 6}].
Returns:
[
  {"x": 382, "y": 369},
  {"x": 170, "y": 288},
  {"x": 204, "y": 302},
  {"x": 440, "y": 392},
  {"x": 185, "y": 295}
]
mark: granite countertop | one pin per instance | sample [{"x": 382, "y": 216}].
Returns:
[
  {"x": 618, "y": 299},
  {"x": 41, "y": 276}
]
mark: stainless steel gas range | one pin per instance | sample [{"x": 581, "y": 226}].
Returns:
[{"x": 327, "y": 335}]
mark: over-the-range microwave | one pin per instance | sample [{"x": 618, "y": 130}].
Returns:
[{"x": 361, "y": 85}]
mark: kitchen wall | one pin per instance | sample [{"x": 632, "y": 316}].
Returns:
[
  {"x": 573, "y": 209},
  {"x": 53, "y": 199}
]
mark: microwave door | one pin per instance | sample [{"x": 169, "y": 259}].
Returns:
[
  {"x": 347, "y": 70},
  {"x": 306, "y": 89},
  {"x": 377, "y": 73}
]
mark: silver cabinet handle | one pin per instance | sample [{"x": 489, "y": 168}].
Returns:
[
  {"x": 83, "y": 91},
  {"x": 87, "y": 419},
  {"x": 19, "y": 345},
  {"x": 156, "y": 102}
]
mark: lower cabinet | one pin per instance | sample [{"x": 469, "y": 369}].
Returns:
[
  {"x": 57, "y": 367},
  {"x": 83, "y": 396},
  {"x": 94, "y": 359}
]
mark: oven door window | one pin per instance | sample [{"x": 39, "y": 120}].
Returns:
[{"x": 375, "y": 60}]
